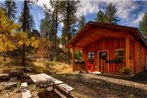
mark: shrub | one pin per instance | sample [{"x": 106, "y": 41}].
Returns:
[
  {"x": 49, "y": 64},
  {"x": 125, "y": 70}
]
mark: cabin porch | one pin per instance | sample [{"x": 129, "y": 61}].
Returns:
[
  {"x": 113, "y": 55},
  {"x": 103, "y": 66}
]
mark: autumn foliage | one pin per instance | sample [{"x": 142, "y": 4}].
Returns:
[{"x": 10, "y": 36}]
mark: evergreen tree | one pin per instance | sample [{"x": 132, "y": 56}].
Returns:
[
  {"x": 46, "y": 27},
  {"x": 82, "y": 22},
  {"x": 32, "y": 23},
  {"x": 55, "y": 16},
  {"x": 68, "y": 10},
  {"x": 10, "y": 8},
  {"x": 29, "y": 19},
  {"x": 101, "y": 17},
  {"x": 111, "y": 14},
  {"x": 143, "y": 24}
]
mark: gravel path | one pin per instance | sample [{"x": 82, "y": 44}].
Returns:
[{"x": 96, "y": 86}]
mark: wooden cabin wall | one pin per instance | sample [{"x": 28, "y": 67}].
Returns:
[
  {"x": 109, "y": 44},
  {"x": 131, "y": 50},
  {"x": 139, "y": 50}
]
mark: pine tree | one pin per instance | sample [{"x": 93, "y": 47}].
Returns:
[
  {"x": 29, "y": 19},
  {"x": 55, "y": 16},
  {"x": 101, "y": 17},
  {"x": 143, "y": 24},
  {"x": 10, "y": 8},
  {"x": 46, "y": 27},
  {"x": 68, "y": 10},
  {"x": 82, "y": 22},
  {"x": 111, "y": 14}
]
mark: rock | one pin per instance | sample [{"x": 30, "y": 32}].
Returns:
[
  {"x": 2, "y": 88},
  {"x": 10, "y": 85},
  {"x": 6, "y": 71},
  {"x": 15, "y": 73},
  {"x": 29, "y": 81},
  {"x": 4, "y": 77},
  {"x": 28, "y": 69},
  {"x": 13, "y": 79},
  {"x": 23, "y": 77}
]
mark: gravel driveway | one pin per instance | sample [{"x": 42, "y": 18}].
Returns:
[{"x": 97, "y": 86}]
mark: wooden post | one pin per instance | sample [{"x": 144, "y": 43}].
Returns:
[
  {"x": 127, "y": 51},
  {"x": 73, "y": 58},
  {"x": 85, "y": 58}
]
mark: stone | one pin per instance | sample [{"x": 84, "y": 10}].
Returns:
[
  {"x": 24, "y": 84},
  {"x": 26, "y": 94},
  {"x": 9, "y": 85},
  {"x": 15, "y": 73},
  {"x": 28, "y": 69},
  {"x": 29, "y": 81},
  {"x": 4, "y": 77},
  {"x": 1, "y": 88},
  {"x": 23, "y": 77},
  {"x": 13, "y": 79}
]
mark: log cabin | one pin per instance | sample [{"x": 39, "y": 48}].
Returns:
[{"x": 109, "y": 48}]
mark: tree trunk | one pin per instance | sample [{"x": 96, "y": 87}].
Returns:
[
  {"x": 24, "y": 25},
  {"x": 4, "y": 53},
  {"x": 68, "y": 33},
  {"x": 56, "y": 22},
  {"x": 23, "y": 55}
]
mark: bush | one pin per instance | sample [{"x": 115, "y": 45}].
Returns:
[
  {"x": 125, "y": 70},
  {"x": 49, "y": 64}
]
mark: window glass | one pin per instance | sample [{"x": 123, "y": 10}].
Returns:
[
  {"x": 90, "y": 55},
  {"x": 103, "y": 55},
  {"x": 119, "y": 53}
]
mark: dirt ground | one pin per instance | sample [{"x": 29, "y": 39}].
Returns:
[
  {"x": 86, "y": 85},
  {"x": 93, "y": 86},
  {"x": 98, "y": 86}
]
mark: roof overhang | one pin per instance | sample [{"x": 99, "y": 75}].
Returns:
[{"x": 84, "y": 36}]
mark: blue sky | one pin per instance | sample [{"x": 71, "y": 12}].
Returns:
[{"x": 130, "y": 12}]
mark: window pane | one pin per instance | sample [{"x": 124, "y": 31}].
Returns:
[{"x": 119, "y": 53}]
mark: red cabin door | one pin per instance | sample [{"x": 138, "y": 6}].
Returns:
[{"x": 102, "y": 58}]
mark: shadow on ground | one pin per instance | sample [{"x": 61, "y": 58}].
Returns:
[
  {"x": 140, "y": 78},
  {"x": 48, "y": 94},
  {"x": 98, "y": 88}
]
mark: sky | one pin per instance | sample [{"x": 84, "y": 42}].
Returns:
[{"x": 129, "y": 12}]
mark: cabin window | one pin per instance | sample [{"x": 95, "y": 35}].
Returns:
[
  {"x": 90, "y": 55},
  {"x": 119, "y": 54},
  {"x": 138, "y": 55},
  {"x": 103, "y": 55}
]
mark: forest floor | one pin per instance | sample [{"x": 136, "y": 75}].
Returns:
[{"x": 86, "y": 85}]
